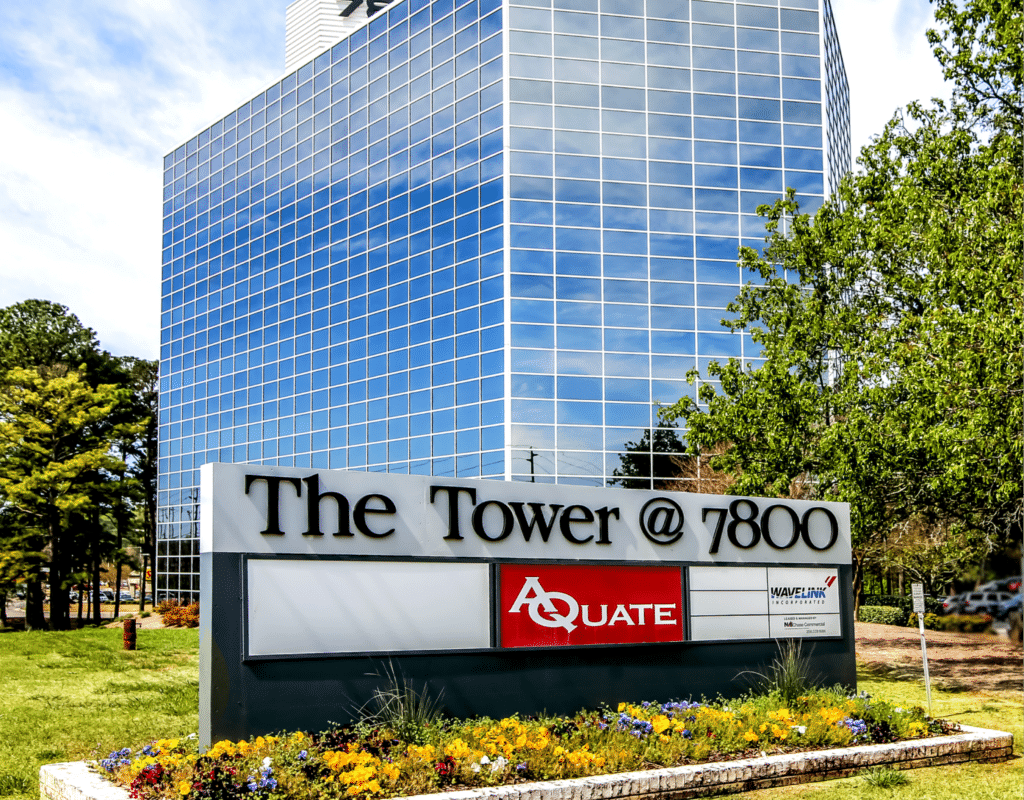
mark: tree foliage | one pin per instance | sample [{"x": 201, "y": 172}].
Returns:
[
  {"x": 77, "y": 453},
  {"x": 892, "y": 375}
]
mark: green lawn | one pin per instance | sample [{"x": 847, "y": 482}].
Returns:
[
  {"x": 70, "y": 696},
  {"x": 75, "y": 695}
]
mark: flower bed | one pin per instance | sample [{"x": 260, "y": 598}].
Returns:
[{"x": 373, "y": 761}]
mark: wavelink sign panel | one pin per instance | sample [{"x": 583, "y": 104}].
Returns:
[{"x": 504, "y": 597}]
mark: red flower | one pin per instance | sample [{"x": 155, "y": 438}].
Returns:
[{"x": 445, "y": 769}]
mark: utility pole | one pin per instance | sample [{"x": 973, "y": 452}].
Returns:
[{"x": 533, "y": 455}]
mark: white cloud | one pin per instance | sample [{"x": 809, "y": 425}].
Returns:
[
  {"x": 888, "y": 60},
  {"x": 91, "y": 98}
]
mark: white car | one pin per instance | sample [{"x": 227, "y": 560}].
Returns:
[{"x": 984, "y": 602}]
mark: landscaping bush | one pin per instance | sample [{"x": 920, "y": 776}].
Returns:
[
  {"x": 964, "y": 623},
  {"x": 178, "y": 616},
  {"x": 932, "y": 605},
  {"x": 883, "y": 615},
  {"x": 932, "y": 622}
]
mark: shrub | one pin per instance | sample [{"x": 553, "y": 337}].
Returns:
[
  {"x": 164, "y": 606},
  {"x": 931, "y": 604},
  {"x": 932, "y": 622},
  {"x": 963, "y": 623},
  {"x": 883, "y": 615},
  {"x": 179, "y": 616},
  {"x": 788, "y": 676}
]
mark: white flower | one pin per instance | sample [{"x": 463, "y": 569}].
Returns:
[
  {"x": 801, "y": 729},
  {"x": 499, "y": 763},
  {"x": 475, "y": 767},
  {"x": 485, "y": 760},
  {"x": 266, "y": 763}
]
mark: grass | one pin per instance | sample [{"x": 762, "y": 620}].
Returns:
[{"x": 75, "y": 695}]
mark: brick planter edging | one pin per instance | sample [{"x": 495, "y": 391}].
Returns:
[{"x": 75, "y": 781}]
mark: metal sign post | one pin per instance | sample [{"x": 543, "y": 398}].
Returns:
[{"x": 918, "y": 592}]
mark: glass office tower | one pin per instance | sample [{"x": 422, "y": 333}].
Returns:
[{"x": 480, "y": 239}]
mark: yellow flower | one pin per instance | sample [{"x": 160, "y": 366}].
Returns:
[
  {"x": 622, "y": 707},
  {"x": 750, "y": 736},
  {"x": 457, "y": 749},
  {"x": 660, "y": 723},
  {"x": 184, "y": 787}
]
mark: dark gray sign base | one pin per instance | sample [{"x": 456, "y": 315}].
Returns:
[{"x": 239, "y": 699}]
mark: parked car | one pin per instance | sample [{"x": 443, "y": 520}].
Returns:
[
  {"x": 127, "y": 598},
  {"x": 954, "y": 603},
  {"x": 1009, "y": 584},
  {"x": 1008, "y": 606},
  {"x": 106, "y": 596},
  {"x": 983, "y": 602}
]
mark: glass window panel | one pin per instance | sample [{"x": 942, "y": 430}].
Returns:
[
  {"x": 799, "y": 20},
  {"x": 719, "y": 176},
  {"x": 760, "y": 132},
  {"x": 801, "y": 66},
  {"x": 542, "y": 386},
  {"x": 586, "y": 119},
  {"x": 578, "y": 216},
  {"x": 529, "y": 19},
  {"x": 665, "y": 31},
  {"x": 570, "y": 22},
  {"x": 576, "y": 70},
  {"x": 711, "y": 12},
  {"x": 668, "y": 55},
  {"x": 714, "y": 82},
  {"x": 582, "y": 438},
  {"x": 578, "y": 143},
  {"x": 528, "y": 67},
  {"x": 577, "y": 94},
  {"x": 625, "y": 316},
  {"x": 532, "y": 43},
  {"x": 764, "y": 179},
  {"x": 579, "y": 338},
  {"x": 577, "y": 314},
  {"x": 753, "y": 39},
  {"x": 721, "y": 129},
  {"x": 578, "y": 363},
  {"x": 531, "y": 91},
  {"x": 799, "y": 158},
  {"x": 579, "y": 388},
  {"x": 622, "y": 74},
  {"x": 634, "y": 341},
  {"x": 576, "y": 47},
  {"x": 668, "y": 78},
  {"x": 622, "y": 50},
  {"x": 533, "y": 411},
  {"x": 803, "y": 135},
  {"x": 806, "y": 43}
]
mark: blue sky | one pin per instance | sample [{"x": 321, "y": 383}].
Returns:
[{"x": 93, "y": 94}]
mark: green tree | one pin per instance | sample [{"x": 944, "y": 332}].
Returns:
[
  {"x": 652, "y": 459},
  {"x": 54, "y": 460},
  {"x": 893, "y": 370}
]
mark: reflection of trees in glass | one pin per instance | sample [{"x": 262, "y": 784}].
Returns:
[{"x": 658, "y": 462}]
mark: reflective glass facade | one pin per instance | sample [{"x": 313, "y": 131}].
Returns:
[{"x": 480, "y": 239}]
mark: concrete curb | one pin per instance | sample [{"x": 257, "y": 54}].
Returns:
[{"x": 75, "y": 781}]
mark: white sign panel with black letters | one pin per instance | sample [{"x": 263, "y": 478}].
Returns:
[{"x": 347, "y": 562}]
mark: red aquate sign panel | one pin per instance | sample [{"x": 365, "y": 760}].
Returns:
[{"x": 560, "y": 606}]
